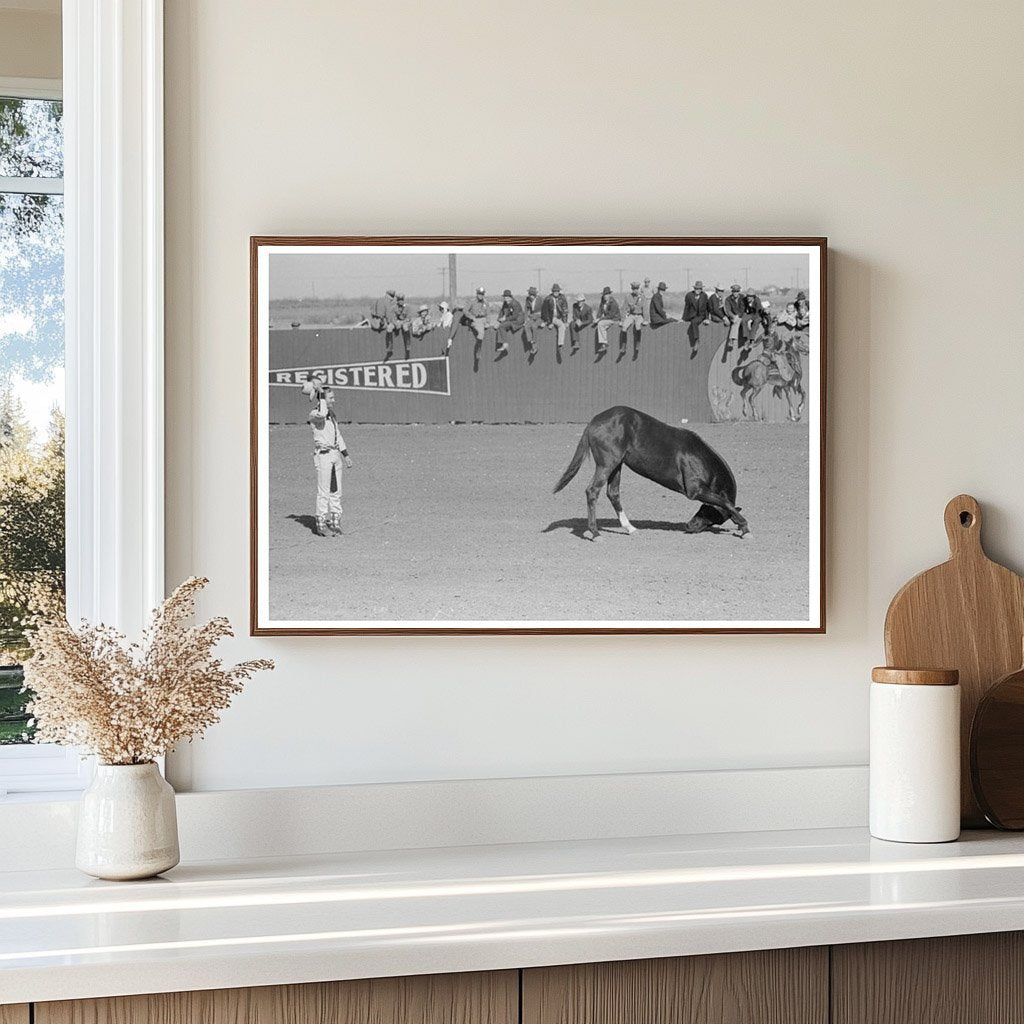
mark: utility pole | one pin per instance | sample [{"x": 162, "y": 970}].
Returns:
[
  {"x": 539, "y": 271},
  {"x": 444, "y": 281},
  {"x": 453, "y": 285},
  {"x": 621, "y": 271},
  {"x": 687, "y": 269}
]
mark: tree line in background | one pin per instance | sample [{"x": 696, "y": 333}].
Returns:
[{"x": 32, "y": 548}]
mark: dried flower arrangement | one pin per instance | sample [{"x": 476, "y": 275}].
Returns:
[{"x": 130, "y": 703}]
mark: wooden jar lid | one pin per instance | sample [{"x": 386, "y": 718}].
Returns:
[{"x": 916, "y": 676}]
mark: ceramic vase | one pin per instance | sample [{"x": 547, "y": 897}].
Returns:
[{"x": 127, "y": 824}]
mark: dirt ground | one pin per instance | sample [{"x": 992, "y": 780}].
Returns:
[{"x": 459, "y": 523}]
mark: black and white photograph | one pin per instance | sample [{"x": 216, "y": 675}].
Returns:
[{"x": 525, "y": 435}]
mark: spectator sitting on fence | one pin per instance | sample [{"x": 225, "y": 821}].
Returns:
[
  {"x": 445, "y": 323},
  {"x": 475, "y": 314},
  {"x": 382, "y": 318},
  {"x": 607, "y": 313},
  {"x": 582, "y": 316},
  {"x": 734, "y": 315},
  {"x": 658, "y": 317},
  {"x": 403, "y": 324},
  {"x": 750, "y": 322},
  {"x": 421, "y": 322},
  {"x": 531, "y": 310},
  {"x": 695, "y": 313},
  {"x": 511, "y": 321},
  {"x": 716, "y": 305},
  {"x": 767, "y": 316},
  {"x": 802, "y": 342},
  {"x": 554, "y": 312},
  {"x": 803, "y": 311},
  {"x": 632, "y": 317}
]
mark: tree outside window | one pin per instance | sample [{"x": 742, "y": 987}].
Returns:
[{"x": 31, "y": 387}]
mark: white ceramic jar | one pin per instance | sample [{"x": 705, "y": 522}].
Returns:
[
  {"x": 127, "y": 823},
  {"x": 915, "y": 755}
]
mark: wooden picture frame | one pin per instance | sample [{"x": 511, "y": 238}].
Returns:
[{"x": 412, "y": 554}]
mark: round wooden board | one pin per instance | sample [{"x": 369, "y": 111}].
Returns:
[
  {"x": 968, "y": 614},
  {"x": 997, "y": 752}
]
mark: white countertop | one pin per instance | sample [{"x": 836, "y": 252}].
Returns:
[{"x": 227, "y": 924}]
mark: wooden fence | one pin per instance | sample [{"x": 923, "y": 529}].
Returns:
[{"x": 552, "y": 388}]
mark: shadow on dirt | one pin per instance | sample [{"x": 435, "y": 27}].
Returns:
[
  {"x": 578, "y": 527},
  {"x": 309, "y": 522}
]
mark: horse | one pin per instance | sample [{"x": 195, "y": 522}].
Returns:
[
  {"x": 752, "y": 377},
  {"x": 677, "y": 459}
]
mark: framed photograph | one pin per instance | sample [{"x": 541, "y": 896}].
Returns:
[{"x": 537, "y": 435}]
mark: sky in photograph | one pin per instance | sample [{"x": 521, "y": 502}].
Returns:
[{"x": 346, "y": 275}]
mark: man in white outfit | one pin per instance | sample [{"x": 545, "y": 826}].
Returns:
[
  {"x": 447, "y": 318},
  {"x": 328, "y": 452}
]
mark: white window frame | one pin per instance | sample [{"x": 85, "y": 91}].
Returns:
[
  {"x": 41, "y": 767},
  {"x": 114, "y": 346}
]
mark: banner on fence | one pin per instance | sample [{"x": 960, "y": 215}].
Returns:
[{"x": 429, "y": 376}]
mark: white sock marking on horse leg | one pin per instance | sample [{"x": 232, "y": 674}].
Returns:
[{"x": 626, "y": 524}]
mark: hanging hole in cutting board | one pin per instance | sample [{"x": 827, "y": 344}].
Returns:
[{"x": 966, "y": 519}]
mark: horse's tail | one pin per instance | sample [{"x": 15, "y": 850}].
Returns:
[
  {"x": 738, "y": 376},
  {"x": 577, "y": 460}
]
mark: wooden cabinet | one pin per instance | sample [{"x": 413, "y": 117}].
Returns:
[
  {"x": 491, "y": 998},
  {"x": 962, "y": 979},
  {"x": 968, "y": 979},
  {"x": 778, "y": 986}
]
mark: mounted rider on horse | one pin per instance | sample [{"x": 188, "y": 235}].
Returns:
[{"x": 777, "y": 364}]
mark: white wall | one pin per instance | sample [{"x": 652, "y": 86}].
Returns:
[{"x": 895, "y": 129}]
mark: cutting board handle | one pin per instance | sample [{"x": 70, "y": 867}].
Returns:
[{"x": 963, "y": 526}]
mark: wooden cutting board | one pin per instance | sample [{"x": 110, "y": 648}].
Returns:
[
  {"x": 967, "y": 614},
  {"x": 997, "y": 752}
]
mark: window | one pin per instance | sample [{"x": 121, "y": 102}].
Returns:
[
  {"x": 32, "y": 532},
  {"x": 112, "y": 213}
]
